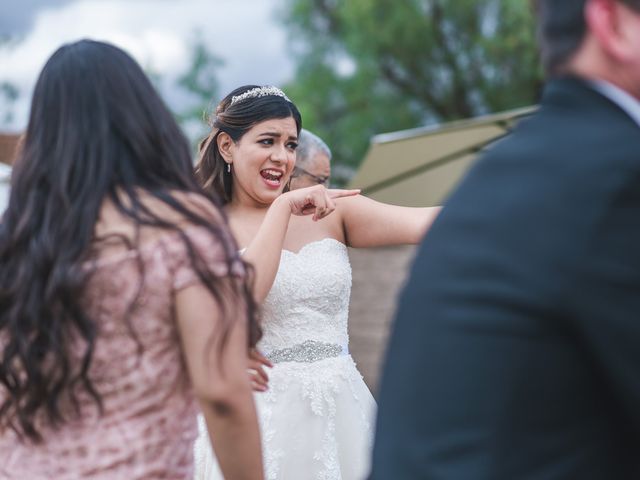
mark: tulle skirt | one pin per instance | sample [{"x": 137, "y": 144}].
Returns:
[{"x": 316, "y": 422}]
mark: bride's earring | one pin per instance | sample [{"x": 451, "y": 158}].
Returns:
[{"x": 228, "y": 168}]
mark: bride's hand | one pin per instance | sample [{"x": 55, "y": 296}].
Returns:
[
  {"x": 316, "y": 200},
  {"x": 257, "y": 375}
]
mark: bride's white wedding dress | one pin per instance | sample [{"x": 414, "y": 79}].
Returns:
[{"x": 316, "y": 418}]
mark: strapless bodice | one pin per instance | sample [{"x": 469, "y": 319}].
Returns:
[{"x": 308, "y": 303}]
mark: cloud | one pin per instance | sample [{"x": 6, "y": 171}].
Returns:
[
  {"x": 158, "y": 34},
  {"x": 16, "y": 18}
]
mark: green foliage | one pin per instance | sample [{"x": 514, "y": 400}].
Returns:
[
  {"x": 197, "y": 87},
  {"x": 372, "y": 66},
  {"x": 9, "y": 94},
  {"x": 200, "y": 80}
]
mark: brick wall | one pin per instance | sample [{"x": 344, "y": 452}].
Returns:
[
  {"x": 378, "y": 276},
  {"x": 8, "y": 143}
]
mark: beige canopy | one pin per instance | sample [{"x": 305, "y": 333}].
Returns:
[{"x": 419, "y": 167}]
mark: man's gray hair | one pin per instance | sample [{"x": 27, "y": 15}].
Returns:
[{"x": 309, "y": 145}]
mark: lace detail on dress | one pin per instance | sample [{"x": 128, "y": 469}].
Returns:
[
  {"x": 309, "y": 299},
  {"x": 315, "y": 417},
  {"x": 333, "y": 391}
]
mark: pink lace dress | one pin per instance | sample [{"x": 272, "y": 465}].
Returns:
[{"x": 148, "y": 425}]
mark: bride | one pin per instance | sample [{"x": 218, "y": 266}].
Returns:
[{"x": 316, "y": 415}]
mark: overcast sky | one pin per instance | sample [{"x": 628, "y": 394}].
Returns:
[{"x": 246, "y": 34}]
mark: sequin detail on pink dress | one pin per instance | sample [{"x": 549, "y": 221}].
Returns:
[{"x": 149, "y": 425}]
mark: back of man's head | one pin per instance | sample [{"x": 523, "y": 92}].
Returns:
[{"x": 562, "y": 28}]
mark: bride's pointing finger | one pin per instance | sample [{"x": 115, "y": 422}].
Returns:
[{"x": 338, "y": 193}]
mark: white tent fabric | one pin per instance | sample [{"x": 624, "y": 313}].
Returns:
[
  {"x": 5, "y": 175},
  {"x": 419, "y": 167}
]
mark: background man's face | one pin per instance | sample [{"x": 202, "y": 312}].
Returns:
[{"x": 318, "y": 169}]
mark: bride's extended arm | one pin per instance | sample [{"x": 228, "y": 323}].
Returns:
[
  {"x": 264, "y": 251},
  {"x": 368, "y": 223}
]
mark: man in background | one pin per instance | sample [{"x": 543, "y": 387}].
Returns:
[{"x": 313, "y": 161}]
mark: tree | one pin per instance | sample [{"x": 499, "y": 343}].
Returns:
[
  {"x": 9, "y": 92},
  {"x": 370, "y": 66},
  {"x": 189, "y": 93},
  {"x": 201, "y": 84},
  {"x": 200, "y": 80}
]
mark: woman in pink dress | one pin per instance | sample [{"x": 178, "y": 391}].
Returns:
[{"x": 123, "y": 301}]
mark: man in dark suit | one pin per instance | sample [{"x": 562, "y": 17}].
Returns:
[{"x": 516, "y": 347}]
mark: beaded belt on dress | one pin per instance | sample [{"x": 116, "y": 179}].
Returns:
[{"x": 308, "y": 351}]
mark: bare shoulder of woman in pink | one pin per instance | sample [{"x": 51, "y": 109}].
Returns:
[{"x": 125, "y": 308}]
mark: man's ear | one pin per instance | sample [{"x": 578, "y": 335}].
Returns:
[
  {"x": 225, "y": 146},
  {"x": 605, "y": 21}
]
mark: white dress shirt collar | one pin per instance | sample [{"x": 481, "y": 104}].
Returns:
[{"x": 624, "y": 100}]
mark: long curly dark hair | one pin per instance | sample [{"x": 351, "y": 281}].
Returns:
[
  {"x": 236, "y": 120},
  {"x": 97, "y": 131}
]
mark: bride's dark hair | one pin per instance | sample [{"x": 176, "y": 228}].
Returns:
[
  {"x": 97, "y": 131},
  {"x": 236, "y": 119}
]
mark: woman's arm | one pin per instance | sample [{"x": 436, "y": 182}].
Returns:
[
  {"x": 220, "y": 382},
  {"x": 368, "y": 223},
  {"x": 264, "y": 251}
]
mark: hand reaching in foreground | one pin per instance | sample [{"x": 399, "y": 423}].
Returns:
[{"x": 316, "y": 200}]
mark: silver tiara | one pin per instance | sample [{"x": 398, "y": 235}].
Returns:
[{"x": 259, "y": 92}]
